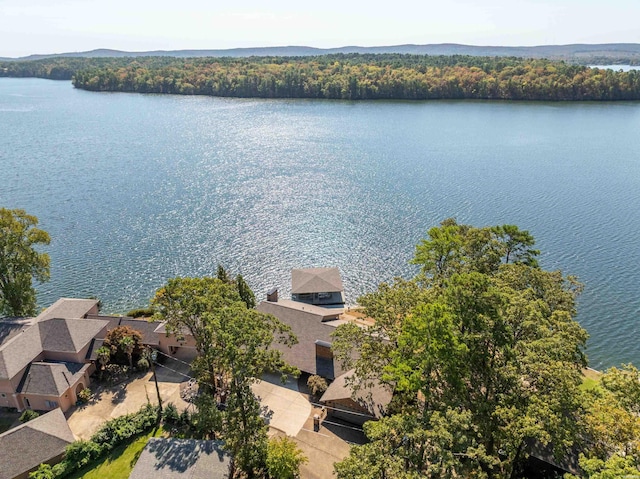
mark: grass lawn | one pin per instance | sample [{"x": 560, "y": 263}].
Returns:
[{"x": 118, "y": 464}]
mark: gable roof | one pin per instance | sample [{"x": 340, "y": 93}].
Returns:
[
  {"x": 50, "y": 379},
  {"x": 17, "y": 352},
  {"x": 164, "y": 458},
  {"x": 33, "y": 443},
  {"x": 374, "y": 398},
  {"x": 316, "y": 280},
  {"x": 69, "y": 335}
]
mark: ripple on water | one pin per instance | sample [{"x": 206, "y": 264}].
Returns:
[{"x": 136, "y": 189}]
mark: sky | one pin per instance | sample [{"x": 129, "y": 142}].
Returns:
[{"x": 56, "y": 26}]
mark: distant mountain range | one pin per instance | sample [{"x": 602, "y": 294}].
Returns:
[{"x": 576, "y": 52}]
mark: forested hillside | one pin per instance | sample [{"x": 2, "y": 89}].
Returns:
[
  {"x": 580, "y": 53},
  {"x": 348, "y": 77}
]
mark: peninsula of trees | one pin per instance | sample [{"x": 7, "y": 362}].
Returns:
[{"x": 342, "y": 76}]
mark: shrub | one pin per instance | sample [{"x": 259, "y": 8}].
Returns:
[
  {"x": 84, "y": 396},
  {"x": 81, "y": 453},
  {"x": 28, "y": 415},
  {"x": 143, "y": 364},
  {"x": 61, "y": 469},
  {"x": 170, "y": 414},
  {"x": 284, "y": 458},
  {"x": 141, "y": 312},
  {"x": 115, "y": 372},
  {"x": 317, "y": 385},
  {"x": 118, "y": 429},
  {"x": 44, "y": 471}
]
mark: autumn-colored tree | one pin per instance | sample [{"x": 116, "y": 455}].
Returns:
[{"x": 124, "y": 343}]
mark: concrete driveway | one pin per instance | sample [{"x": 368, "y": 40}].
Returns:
[
  {"x": 287, "y": 409},
  {"x": 125, "y": 398}
]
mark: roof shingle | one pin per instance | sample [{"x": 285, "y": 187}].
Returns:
[
  {"x": 30, "y": 444},
  {"x": 182, "y": 458},
  {"x": 316, "y": 280}
]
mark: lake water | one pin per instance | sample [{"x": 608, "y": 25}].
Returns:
[
  {"x": 135, "y": 189},
  {"x": 624, "y": 68}
]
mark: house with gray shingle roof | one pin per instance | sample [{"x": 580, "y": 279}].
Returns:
[
  {"x": 69, "y": 308},
  {"x": 41, "y": 440},
  {"x": 47, "y": 360},
  {"x": 42, "y": 359}
]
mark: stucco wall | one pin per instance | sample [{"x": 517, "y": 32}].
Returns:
[
  {"x": 39, "y": 403},
  {"x": 65, "y": 401},
  {"x": 6, "y": 394}
]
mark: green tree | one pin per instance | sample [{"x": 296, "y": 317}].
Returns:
[
  {"x": 127, "y": 344},
  {"x": 103, "y": 355},
  {"x": 482, "y": 349},
  {"x": 222, "y": 274},
  {"x": 613, "y": 425},
  {"x": 284, "y": 458},
  {"x": 20, "y": 262},
  {"x": 235, "y": 348},
  {"x": 124, "y": 342},
  {"x": 245, "y": 292}
]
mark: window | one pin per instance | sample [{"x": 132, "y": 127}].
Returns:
[
  {"x": 3, "y": 395},
  {"x": 51, "y": 404},
  {"x": 26, "y": 401}
]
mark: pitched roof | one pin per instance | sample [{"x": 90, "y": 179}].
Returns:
[
  {"x": 11, "y": 327},
  {"x": 33, "y": 443},
  {"x": 315, "y": 280},
  {"x": 374, "y": 398},
  {"x": 50, "y": 379},
  {"x": 17, "y": 352},
  {"x": 308, "y": 326},
  {"x": 182, "y": 459},
  {"x": 68, "y": 308},
  {"x": 21, "y": 346},
  {"x": 145, "y": 328},
  {"x": 69, "y": 335}
]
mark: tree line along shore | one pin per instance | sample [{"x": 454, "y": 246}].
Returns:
[{"x": 341, "y": 76}]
